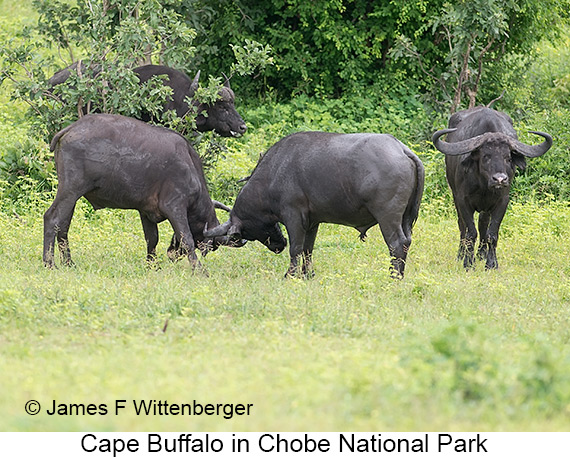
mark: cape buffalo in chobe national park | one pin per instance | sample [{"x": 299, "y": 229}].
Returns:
[
  {"x": 308, "y": 178},
  {"x": 221, "y": 116},
  {"x": 119, "y": 162},
  {"x": 481, "y": 155}
]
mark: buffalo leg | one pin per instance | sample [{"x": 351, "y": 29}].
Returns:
[
  {"x": 296, "y": 241},
  {"x": 309, "y": 243},
  {"x": 151, "y": 236},
  {"x": 493, "y": 235},
  {"x": 398, "y": 245},
  {"x": 462, "y": 233},
  {"x": 57, "y": 220},
  {"x": 484, "y": 218},
  {"x": 173, "y": 250},
  {"x": 468, "y": 237},
  {"x": 179, "y": 220}
]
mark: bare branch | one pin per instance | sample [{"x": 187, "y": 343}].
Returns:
[{"x": 496, "y": 99}]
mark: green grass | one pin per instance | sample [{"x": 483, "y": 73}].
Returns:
[{"x": 351, "y": 349}]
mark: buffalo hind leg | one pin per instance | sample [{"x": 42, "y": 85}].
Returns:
[
  {"x": 57, "y": 220},
  {"x": 398, "y": 245}
]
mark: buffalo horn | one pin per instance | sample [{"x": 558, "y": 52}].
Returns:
[
  {"x": 220, "y": 205},
  {"x": 469, "y": 145},
  {"x": 536, "y": 150},
  {"x": 220, "y": 230},
  {"x": 194, "y": 85},
  {"x": 226, "y": 81},
  {"x": 455, "y": 149}
]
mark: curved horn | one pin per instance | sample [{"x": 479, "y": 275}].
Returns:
[
  {"x": 465, "y": 146},
  {"x": 226, "y": 80},
  {"x": 220, "y": 230},
  {"x": 220, "y": 205},
  {"x": 536, "y": 150}
]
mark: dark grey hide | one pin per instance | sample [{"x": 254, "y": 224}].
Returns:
[
  {"x": 309, "y": 178},
  {"x": 481, "y": 155},
  {"x": 119, "y": 162},
  {"x": 220, "y": 117}
]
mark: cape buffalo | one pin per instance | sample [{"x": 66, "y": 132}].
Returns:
[
  {"x": 481, "y": 154},
  {"x": 119, "y": 162},
  {"x": 308, "y": 178},
  {"x": 221, "y": 116}
]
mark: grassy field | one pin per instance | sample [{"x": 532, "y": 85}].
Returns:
[{"x": 351, "y": 349}]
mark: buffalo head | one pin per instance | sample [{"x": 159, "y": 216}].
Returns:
[
  {"x": 495, "y": 154},
  {"x": 211, "y": 243},
  {"x": 237, "y": 231},
  {"x": 221, "y": 116}
]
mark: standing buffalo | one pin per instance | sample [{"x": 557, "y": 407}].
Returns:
[
  {"x": 308, "y": 178},
  {"x": 221, "y": 116},
  {"x": 481, "y": 154},
  {"x": 119, "y": 162}
]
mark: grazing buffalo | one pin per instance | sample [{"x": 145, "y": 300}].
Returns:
[
  {"x": 119, "y": 162},
  {"x": 308, "y": 178},
  {"x": 221, "y": 116},
  {"x": 481, "y": 154}
]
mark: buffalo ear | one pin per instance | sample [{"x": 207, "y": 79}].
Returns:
[
  {"x": 469, "y": 160},
  {"x": 518, "y": 161}
]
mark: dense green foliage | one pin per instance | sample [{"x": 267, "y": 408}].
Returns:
[
  {"x": 335, "y": 47},
  {"x": 391, "y": 65}
]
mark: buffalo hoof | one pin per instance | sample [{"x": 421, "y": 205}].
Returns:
[
  {"x": 297, "y": 274},
  {"x": 50, "y": 265}
]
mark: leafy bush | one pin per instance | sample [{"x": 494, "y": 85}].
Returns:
[{"x": 26, "y": 171}]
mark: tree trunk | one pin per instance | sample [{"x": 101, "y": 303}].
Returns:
[{"x": 463, "y": 75}]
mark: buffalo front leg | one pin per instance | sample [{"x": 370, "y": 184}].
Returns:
[
  {"x": 462, "y": 234},
  {"x": 484, "y": 218},
  {"x": 468, "y": 237},
  {"x": 57, "y": 220},
  {"x": 178, "y": 218},
  {"x": 151, "y": 237},
  {"x": 173, "y": 250},
  {"x": 308, "y": 245},
  {"x": 296, "y": 242},
  {"x": 492, "y": 235}
]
